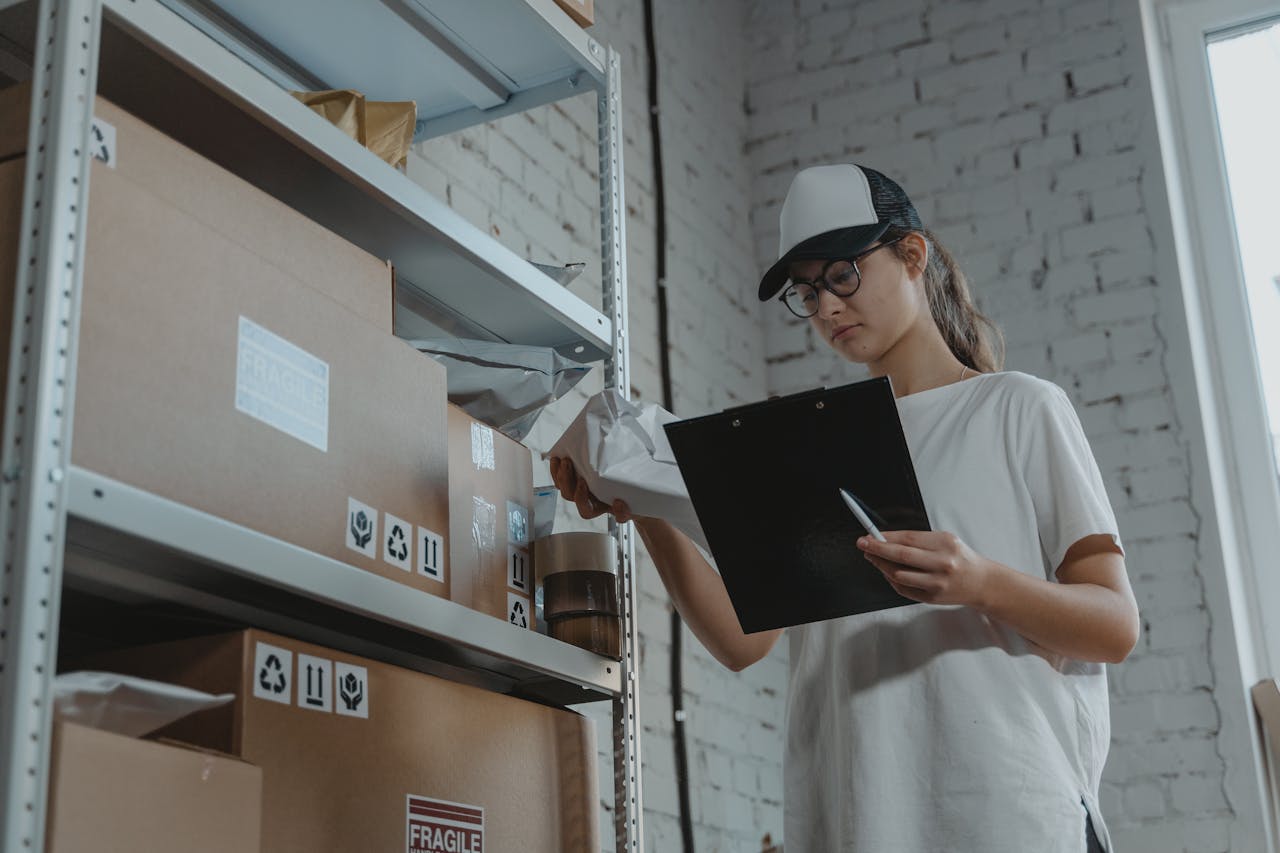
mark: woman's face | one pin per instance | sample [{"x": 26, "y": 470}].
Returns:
[{"x": 864, "y": 326}]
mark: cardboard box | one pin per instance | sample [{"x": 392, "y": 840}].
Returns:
[
  {"x": 491, "y": 501},
  {"x": 115, "y": 794},
  {"x": 582, "y": 11},
  {"x": 178, "y": 177},
  {"x": 391, "y": 760},
  {"x": 215, "y": 371}
]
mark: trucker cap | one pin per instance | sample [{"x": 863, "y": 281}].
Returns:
[{"x": 836, "y": 211}]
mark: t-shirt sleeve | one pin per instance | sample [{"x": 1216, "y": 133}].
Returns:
[{"x": 1062, "y": 476}]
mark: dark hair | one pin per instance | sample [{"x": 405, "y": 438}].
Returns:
[{"x": 972, "y": 336}]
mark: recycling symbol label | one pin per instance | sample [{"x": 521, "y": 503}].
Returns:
[
  {"x": 273, "y": 673},
  {"x": 352, "y": 690},
  {"x": 102, "y": 142},
  {"x": 362, "y": 528},
  {"x": 517, "y": 610},
  {"x": 397, "y": 542}
]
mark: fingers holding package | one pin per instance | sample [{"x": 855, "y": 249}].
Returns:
[{"x": 575, "y": 490}]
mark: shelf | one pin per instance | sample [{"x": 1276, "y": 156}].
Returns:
[
  {"x": 461, "y": 61},
  {"x": 132, "y": 547},
  {"x": 452, "y": 275}
]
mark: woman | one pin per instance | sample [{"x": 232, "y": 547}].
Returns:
[{"x": 977, "y": 720}]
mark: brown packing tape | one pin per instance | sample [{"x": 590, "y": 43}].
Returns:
[
  {"x": 573, "y": 593},
  {"x": 575, "y": 551},
  {"x": 384, "y": 127}
]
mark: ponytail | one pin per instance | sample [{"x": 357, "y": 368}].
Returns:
[{"x": 971, "y": 336}]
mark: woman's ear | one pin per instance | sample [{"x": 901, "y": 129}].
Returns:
[{"x": 916, "y": 248}]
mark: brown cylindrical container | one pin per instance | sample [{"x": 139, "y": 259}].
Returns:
[{"x": 579, "y": 577}]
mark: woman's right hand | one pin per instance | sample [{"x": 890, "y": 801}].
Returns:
[{"x": 574, "y": 489}]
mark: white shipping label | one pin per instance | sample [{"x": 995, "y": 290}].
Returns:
[
  {"x": 272, "y": 673},
  {"x": 315, "y": 683},
  {"x": 351, "y": 690},
  {"x": 517, "y": 524},
  {"x": 362, "y": 528},
  {"x": 397, "y": 542},
  {"x": 484, "y": 524},
  {"x": 517, "y": 610},
  {"x": 431, "y": 554},
  {"x": 439, "y": 826},
  {"x": 282, "y": 385},
  {"x": 102, "y": 141},
  {"x": 482, "y": 447},
  {"x": 518, "y": 575}
]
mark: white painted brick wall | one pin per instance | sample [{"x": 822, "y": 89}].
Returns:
[
  {"x": 1015, "y": 126},
  {"x": 530, "y": 180}
]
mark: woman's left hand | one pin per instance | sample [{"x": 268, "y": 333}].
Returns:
[{"x": 931, "y": 566}]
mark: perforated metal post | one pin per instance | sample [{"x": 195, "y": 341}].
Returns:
[
  {"x": 628, "y": 810},
  {"x": 38, "y": 408}
]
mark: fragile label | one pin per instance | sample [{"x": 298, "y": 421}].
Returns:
[
  {"x": 397, "y": 542},
  {"x": 482, "y": 447},
  {"x": 282, "y": 385},
  {"x": 430, "y": 554},
  {"x": 517, "y": 524},
  {"x": 315, "y": 683},
  {"x": 362, "y": 528},
  {"x": 351, "y": 690},
  {"x": 439, "y": 826},
  {"x": 518, "y": 574},
  {"x": 272, "y": 673},
  {"x": 102, "y": 141},
  {"x": 517, "y": 610}
]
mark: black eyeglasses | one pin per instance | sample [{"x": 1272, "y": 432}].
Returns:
[{"x": 840, "y": 277}]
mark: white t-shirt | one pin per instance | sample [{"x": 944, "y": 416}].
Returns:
[{"x": 924, "y": 728}]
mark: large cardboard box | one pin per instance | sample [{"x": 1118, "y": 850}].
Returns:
[
  {"x": 173, "y": 176},
  {"x": 389, "y": 761},
  {"x": 491, "y": 503},
  {"x": 237, "y": 358},
  {"x": 115, "y": 794}
]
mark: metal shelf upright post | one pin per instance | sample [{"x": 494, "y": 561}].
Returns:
[
  {"x": 39, "y": 403},
  {"x": 37, "y": 474},
  {"x": 628, "y": 815}
]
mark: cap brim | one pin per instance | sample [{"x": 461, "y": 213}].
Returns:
[{"x": 842, "y": 242}]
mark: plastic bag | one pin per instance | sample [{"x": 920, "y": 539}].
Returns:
[
  {"x": 621, "y": 450},
  {"x": 504, "y": 385},
  {"x": 124, "y": 704}
]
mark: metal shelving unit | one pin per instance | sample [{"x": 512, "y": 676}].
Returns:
[{"x": 216, "y": 77}]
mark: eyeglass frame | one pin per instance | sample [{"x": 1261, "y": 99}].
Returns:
[{"x": 822, "y": 282}]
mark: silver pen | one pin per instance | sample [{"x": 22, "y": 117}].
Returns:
[{"x": 858, "y": 513}]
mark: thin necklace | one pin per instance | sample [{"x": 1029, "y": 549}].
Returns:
[{"x": 962, "y": 372}]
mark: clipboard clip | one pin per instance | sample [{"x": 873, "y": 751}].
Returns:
[{"x": 735, "y": 409}]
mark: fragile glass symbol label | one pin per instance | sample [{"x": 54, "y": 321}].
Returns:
[
  {"x": 352, "y": 690},
  {"x": 362, "y": 528}
]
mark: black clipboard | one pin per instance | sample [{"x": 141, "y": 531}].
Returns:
[{"x": 764, "y": 482}]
